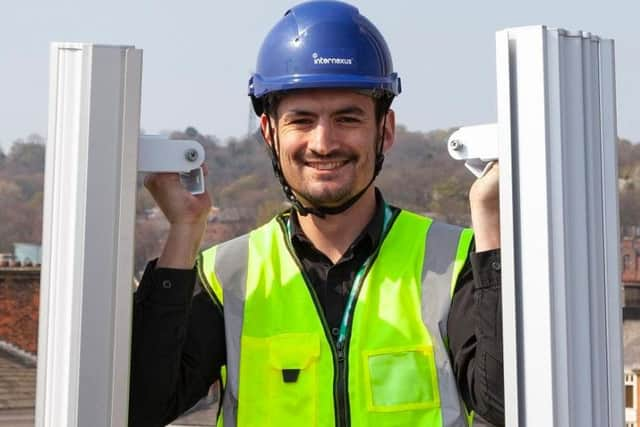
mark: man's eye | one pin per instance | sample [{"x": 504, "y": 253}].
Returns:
[
  {"x": 300, "y": 121},
  {"x": 348, "y": 119}
]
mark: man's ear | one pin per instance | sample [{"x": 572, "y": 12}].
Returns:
[
  {"x": 264, "y": 128},
  {"x": 389, "y": 130}
]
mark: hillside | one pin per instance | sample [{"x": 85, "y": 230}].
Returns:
[{"x": 418, "y": 175}]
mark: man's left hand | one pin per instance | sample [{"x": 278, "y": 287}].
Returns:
[{"x": 484, "y": 199}]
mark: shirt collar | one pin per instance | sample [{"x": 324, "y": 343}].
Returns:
[{"x": 371, "y": 233}]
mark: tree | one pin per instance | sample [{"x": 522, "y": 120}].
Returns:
[
  {"x": 26, "y": 157},
  {"x": 35, "y": 138},
  {"x": 20, "y": 220},
  {"x": 630, "y": 206},
  {"x": 191, "y": 132},
  {"x": 148, "y": 242}
]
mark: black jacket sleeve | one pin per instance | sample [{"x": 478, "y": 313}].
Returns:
[
  {"x": 474, "y": 327},
  {"x": 177, "y": 348}
]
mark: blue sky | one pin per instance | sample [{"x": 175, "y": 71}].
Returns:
[{"x": 198, "y": 55}]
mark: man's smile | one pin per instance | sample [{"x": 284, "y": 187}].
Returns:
[{"x": 326, "y": 165}]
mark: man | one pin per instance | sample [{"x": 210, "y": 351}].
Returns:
[{"x": 343, "y": 310}]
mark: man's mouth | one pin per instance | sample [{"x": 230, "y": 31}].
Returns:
[{"x": 327, "y": 165}]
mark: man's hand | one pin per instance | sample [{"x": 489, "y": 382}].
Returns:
[
  {"x": 484, "y": 199},
  {"x": 187, "y": 216}
]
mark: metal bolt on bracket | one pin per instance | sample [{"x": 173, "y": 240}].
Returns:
[
  {"x": 191, "y": 155},
  {"x": 456, "y": 145}
]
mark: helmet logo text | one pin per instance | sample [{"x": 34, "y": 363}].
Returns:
[{"x": 321, "y": 60}]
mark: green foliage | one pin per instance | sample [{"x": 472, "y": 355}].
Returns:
[
  {"x": 20, "y": 217},
  {"x": 26, "y": 157},
  {"x": 420, "y": 175},
  {"x": 268, "y": 209},
  {"x": 629, "y": 182},
  {"x": 192, "y": 133},
  {"x": 21, "y": 186}
]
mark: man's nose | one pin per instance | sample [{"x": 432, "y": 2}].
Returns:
[{"x": 322, "y": 140}]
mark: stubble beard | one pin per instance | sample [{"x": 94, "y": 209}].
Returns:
[{"x": 331, "y": 196}]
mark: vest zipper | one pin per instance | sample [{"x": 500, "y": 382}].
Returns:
[
  {"x": 343, "y": 352},
  {"x": 341, "y": 376},
  {"x": 339, "y": 352}
]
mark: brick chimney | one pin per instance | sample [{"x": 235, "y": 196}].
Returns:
[{"x": 19, "y": 302}]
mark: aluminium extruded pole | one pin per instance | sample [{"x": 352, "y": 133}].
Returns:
[
  {"x": 88, "y": 229},
  {"x": 559, "y": 222}
]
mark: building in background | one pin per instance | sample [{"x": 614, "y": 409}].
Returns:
[
  {"x": 630, "y": 255},
  {"x": 19, "y": 302},
  {"x": 27, "y": 253}
]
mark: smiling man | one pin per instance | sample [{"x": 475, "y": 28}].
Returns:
[
  {"x": 328, "y": 143},
  {"x": 327, "y": 152},
  {"x": 343, "y": 310}
]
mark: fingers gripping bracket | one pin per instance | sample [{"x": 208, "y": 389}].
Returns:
[
  {"x": 157, "y": 153},
  {"x": 476, "y": 145}
]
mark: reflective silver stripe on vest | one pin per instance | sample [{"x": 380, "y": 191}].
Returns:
[
  {"x": 231, "y": 270},
  {"x": 437, "y": 273}
]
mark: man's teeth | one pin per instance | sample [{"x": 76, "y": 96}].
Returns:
[{"x": 326, "y": 165}]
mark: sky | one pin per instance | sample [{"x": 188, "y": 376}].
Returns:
[{"x": 198, "y": 56}]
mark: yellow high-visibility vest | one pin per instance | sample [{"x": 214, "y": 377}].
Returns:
[{"x": 390, "y": 366}]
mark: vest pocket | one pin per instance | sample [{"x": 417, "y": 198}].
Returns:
[
  {"x": 401, "y": 378},
  {"x": 293, "y": 379}
]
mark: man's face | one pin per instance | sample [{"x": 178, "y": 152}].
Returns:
[{"x": 327, "y": 143}]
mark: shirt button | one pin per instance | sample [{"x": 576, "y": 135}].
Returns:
[
  {"x": 166, "y": 284},
  {"x": 496, "y": 265},
  {"x": 335, "y": 332}
]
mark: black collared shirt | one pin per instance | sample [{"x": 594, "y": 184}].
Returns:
[
  {"x": 178, "y": 342},
  {"x": 332, "y": 282}
]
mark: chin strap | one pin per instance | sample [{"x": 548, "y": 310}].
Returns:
[{"x": 321, "y": 211}]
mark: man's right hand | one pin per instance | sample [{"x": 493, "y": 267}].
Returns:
[{"x": 187, "y": 216}]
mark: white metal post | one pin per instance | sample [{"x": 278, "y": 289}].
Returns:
[
  {"x": 88, "y": 229},
  {"x": 559, "y": 222}
]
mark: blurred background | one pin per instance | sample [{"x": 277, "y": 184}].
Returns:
[{"x": 197, "y": 59}]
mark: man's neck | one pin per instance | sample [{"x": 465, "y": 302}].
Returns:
[{"x": 333, "y": 234}]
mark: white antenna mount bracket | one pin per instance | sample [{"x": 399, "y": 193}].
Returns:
[
  {"x": 476, "y": 145},
  {"x": 157, "y": 153}
]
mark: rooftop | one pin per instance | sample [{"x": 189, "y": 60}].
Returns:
[{"x": 17, "y": 378}]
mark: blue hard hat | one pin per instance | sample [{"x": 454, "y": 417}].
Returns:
[{"x": 323, "y": 44}]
